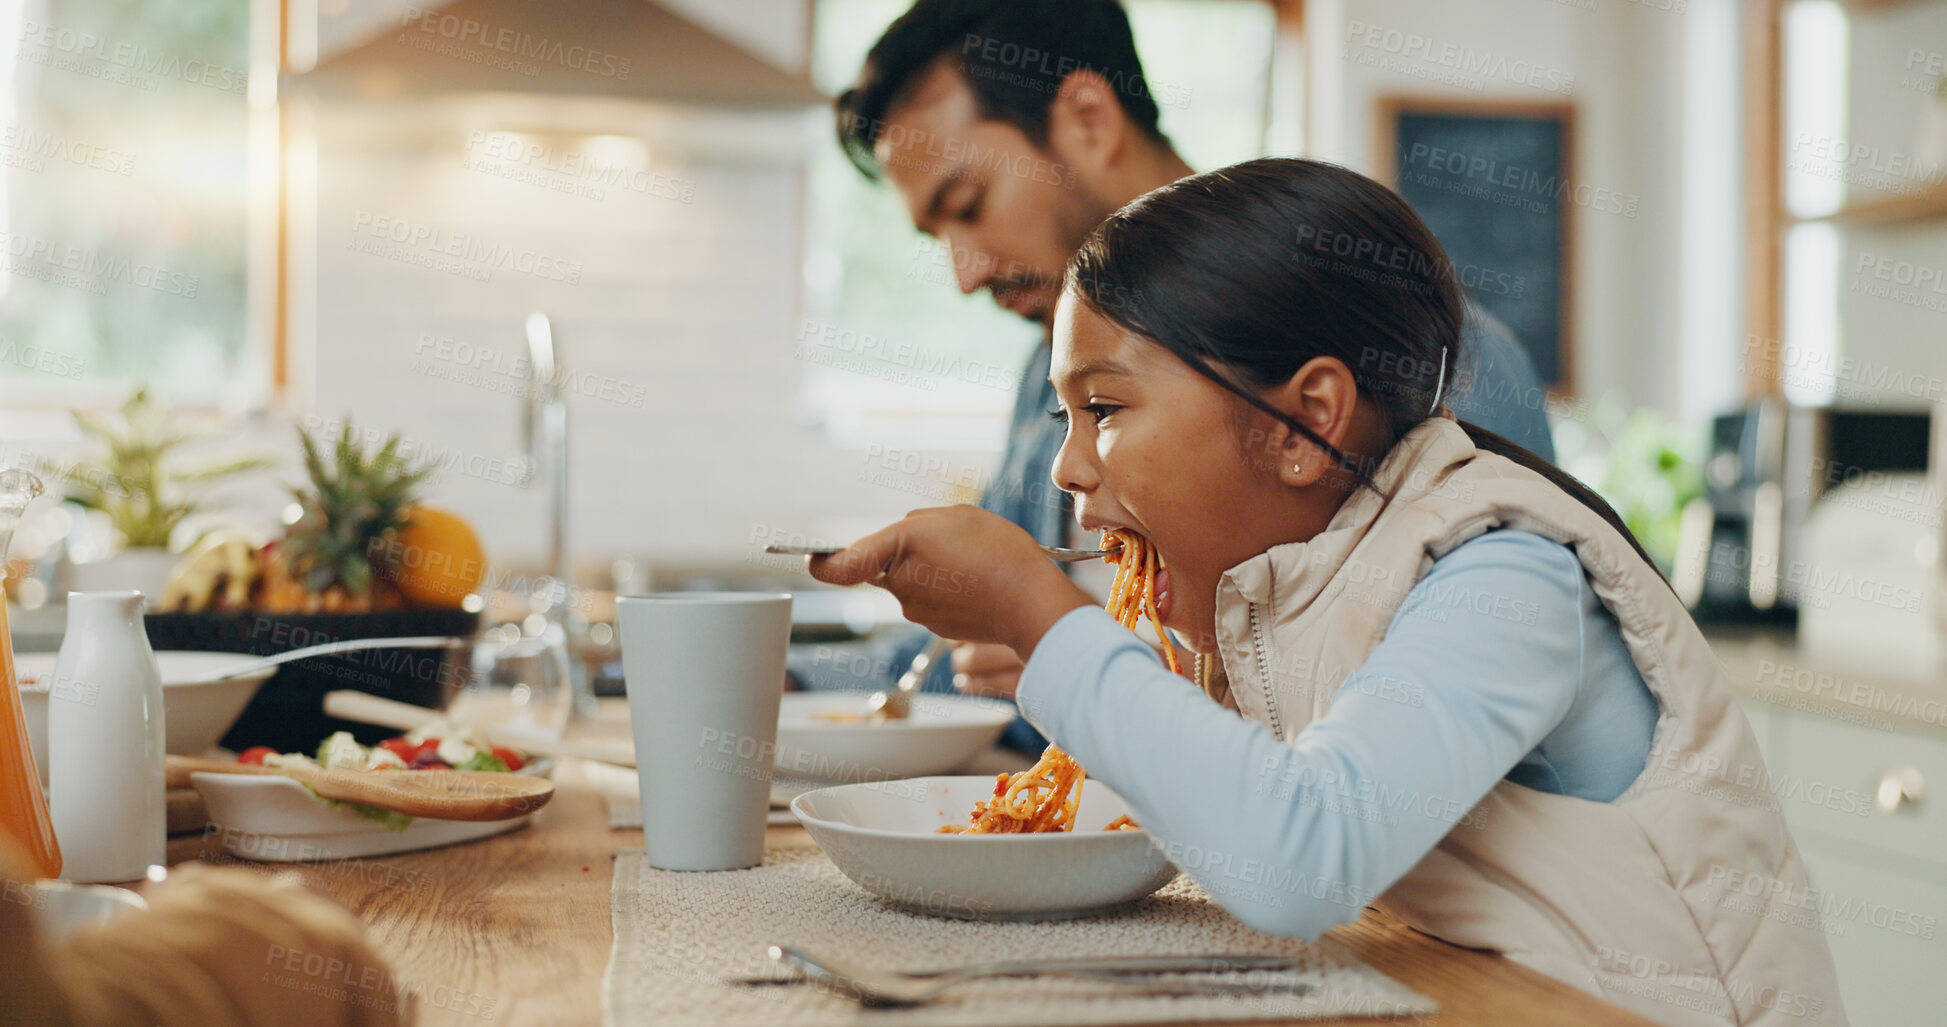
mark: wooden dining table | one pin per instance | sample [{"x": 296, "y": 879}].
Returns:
[{"x": 515, "y": 929}]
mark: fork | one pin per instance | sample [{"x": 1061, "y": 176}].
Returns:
[
  {"x": 1055, "y": 553},
  {"x": 897, "y": 704},
  {"x": 886, "y": 988}
]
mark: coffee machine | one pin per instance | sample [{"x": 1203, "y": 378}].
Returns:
[{"x": 1741, "y": 551}]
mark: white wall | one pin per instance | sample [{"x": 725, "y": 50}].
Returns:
[
  {"x": 1630, "y": 63},
  {"x": 679, "y": 317}
]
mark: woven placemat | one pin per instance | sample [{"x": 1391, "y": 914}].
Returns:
[{"x": 679, "y": 937}]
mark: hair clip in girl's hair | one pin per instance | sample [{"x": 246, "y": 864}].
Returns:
[{"x": 1440, "y": 386}]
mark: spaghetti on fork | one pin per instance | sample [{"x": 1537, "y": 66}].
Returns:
[
  {"x": 1044, "y": 797},
  {"x": 1133, "y": 594}
]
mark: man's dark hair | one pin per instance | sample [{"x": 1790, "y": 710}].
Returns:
[{"x": 1013, "y": 54}]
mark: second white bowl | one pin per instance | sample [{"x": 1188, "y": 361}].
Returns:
[
  {"x": 820, "y": 736},
  {"x": 277, "y": 820}
]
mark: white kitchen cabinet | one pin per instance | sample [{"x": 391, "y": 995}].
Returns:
[
  {"x": 1833, "y": 779},
  {"x": 1877, "y": 872},
  {"x": 1888, "y": 933},
  {"x": 1765, "y": 724}
]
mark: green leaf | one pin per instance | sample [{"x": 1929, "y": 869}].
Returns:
[
  {"x": 94, "y": 425},
  {"x": 487, "y": 761},
  {"x": 216, "y": 472},
  {"x": 390, "y": 819}
]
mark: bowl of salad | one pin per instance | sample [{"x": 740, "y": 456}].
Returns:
[{"x": 278, "y": 820}]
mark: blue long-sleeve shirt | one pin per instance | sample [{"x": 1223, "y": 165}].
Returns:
[
  {"x": 1495, "y": 387},
  {"x": 1532, "y": 685}
]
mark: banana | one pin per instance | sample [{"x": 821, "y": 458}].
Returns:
[{"x": 223, "y": 561}]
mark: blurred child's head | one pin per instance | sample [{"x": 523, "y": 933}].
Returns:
[{"x": 1236, "y": 353}]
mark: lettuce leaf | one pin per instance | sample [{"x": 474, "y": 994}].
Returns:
[
  {"x": 390, "y": 819},
  {"x": 484, "y": 760}
]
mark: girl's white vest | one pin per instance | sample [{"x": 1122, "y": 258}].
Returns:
[{"x": 1645, "y": 900}]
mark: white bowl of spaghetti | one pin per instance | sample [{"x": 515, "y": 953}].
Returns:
[{"x": 886, "y": 837}]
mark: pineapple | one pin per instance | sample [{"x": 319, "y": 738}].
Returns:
[{"x": 353, "y": 505}]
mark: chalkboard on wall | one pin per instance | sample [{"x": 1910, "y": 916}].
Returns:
[{"x": 1493, "y": 182}]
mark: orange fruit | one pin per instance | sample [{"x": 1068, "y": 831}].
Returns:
[{"x": 435, "y": 560}]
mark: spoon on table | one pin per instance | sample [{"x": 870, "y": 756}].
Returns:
[
  {"x": 1055, "y": 553},
  {"x": 439, "y": 794},
  {"x": 328, "y": 649}
]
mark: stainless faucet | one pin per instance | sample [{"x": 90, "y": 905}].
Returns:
[{"x": 545, "y": 423}]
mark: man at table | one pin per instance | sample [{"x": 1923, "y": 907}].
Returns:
[{"x": 1010, "y": 129}]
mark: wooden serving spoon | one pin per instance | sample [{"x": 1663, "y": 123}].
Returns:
[{"x": 439, "y": 794}]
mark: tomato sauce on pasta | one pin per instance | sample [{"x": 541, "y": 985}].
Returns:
[{"x": 1044, "y": 797}]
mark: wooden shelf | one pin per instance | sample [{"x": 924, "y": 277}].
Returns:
[
  {"x": 1930, "y": 205},
  {"x": 1876, "y": 5}
]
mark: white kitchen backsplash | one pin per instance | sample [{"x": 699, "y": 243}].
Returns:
[{"x": 671, "y": 271}]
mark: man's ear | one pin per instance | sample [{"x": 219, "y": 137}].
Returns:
[
  {"x": 1086, "y": 124},
  {"x": 1322, "y": 396}
]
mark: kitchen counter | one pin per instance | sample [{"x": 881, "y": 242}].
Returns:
[
  {"x": 37, "y": 630},
  {"x": 1766, "y": 665}
]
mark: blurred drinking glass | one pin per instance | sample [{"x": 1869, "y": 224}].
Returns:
[{"x": 519, "y": 682}]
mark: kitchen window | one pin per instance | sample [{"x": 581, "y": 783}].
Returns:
[
  {"x": 922, "y": 365},
  {"x": 123, "y": 155}
]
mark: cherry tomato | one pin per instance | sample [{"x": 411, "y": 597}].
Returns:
[
  {"x": 428, "y": 750},
  {"x": 509, "y": 757},
  {"x": 401, "y": 748},
  {"x": 255, "y": 754}
]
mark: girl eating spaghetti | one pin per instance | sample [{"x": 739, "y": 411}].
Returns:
[{"x": 1432, "y": 674}]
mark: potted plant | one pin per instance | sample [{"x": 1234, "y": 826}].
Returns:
[
  {"x": 1648, "y": 467},
  {"x": 144, "y": 495}
]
